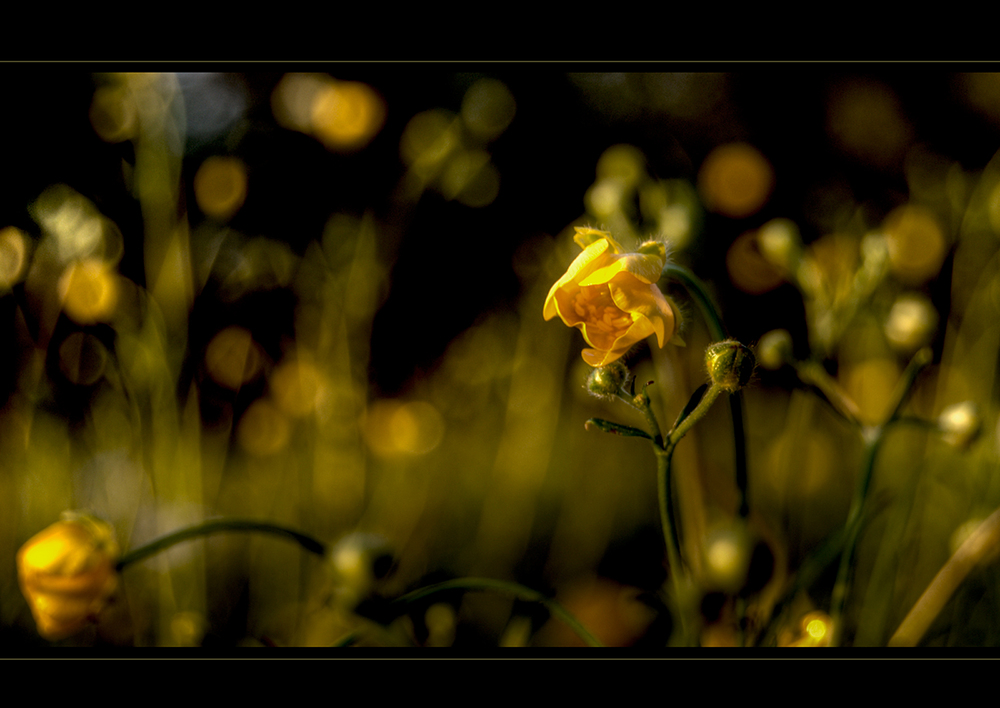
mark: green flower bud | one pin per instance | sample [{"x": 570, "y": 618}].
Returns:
[
  {"x": 607, "y": 381},
  {"x": 730, "y": 364},
  {"x": 774, "y": 349}
]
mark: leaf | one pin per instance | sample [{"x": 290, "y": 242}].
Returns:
[{"x": 616, "y": 428}]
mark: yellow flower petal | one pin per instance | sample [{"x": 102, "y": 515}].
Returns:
[
  {"x": 612, "y": 298},
  {"x": 586, "y": 236},
  {"x": 646, "y": 302},
  {"x": 66, "y": 573},
  {"x": 646, "y": 268}
]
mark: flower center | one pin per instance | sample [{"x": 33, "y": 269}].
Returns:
[{"x": 600, "y": 314}]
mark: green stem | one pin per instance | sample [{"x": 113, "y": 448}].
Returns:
[
  {"x": 697, "y": 290},
  {"x": 216, "y": 526},
  {"x": 519, "y": 591},
  {"x": 852, "y": 527},
  {"x": 873, "y": 439}
]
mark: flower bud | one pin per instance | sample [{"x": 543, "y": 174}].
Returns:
[
  {"x": 730, "y": 364},
  {"x": 606, "y": 381},
  {"x": 774, "y": 349},
  {"x": 67, "y": 573},
  {"x": 960, "y": 424}
]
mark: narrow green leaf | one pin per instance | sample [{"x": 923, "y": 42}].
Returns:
[{"x": 616, "y": 428}]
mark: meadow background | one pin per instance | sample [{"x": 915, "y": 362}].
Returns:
[{"x": 314, "y": 297}]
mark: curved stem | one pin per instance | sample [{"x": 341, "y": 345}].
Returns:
[
  {"x": 307, "y": 542},
  {"x": 697, "y": 290},
  {"x": 519, "y": 591}
]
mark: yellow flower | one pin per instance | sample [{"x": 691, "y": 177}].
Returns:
[
  {"x": 67, "y": 573},
  {"x": 611, "y": 296}
]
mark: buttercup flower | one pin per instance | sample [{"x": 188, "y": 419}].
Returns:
[
  {"x": 611, "y": 296},
  {"x": 67, "y": 573}
]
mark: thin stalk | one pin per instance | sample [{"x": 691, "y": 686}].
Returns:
[
  {"x": 699, "y": 293},
  {"x": 852, "y": 528},
  {"x": 519, "y": 591},
  {"x": 981, "y": 545},
  {"x": 209, "y": 527},
  {"x": 873, "y": 439}
]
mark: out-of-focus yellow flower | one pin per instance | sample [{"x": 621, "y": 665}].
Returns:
[
  {"x": 67, "y": 573},
  {"x": 611, "y": 296}
]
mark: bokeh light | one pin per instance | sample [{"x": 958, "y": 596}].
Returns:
[
  {"x": 735, "y": 180},
  {"x": 488, "y": 108},
  {"x": 748, "y": 269},
  {"x": 233, "y": 358},
  {"x": 220, "y": 187},
  {"x": 394, "y": 428},
  {"x": 89, "y": 291},
  {"x": 343, "y": 115},
  {"x": 82, "y": 358},
  {"x": 14, "y": 249},
  {"x": 911, "y": 322},
  {"x": 264, "y": 429},
  {"x": 113, "y": 114},
  {"x": 867, "y": 120},
  {"x": 297, "y": 386},
  {"x": 346, "y": 115},
  {"x": 916, "y": 242}
]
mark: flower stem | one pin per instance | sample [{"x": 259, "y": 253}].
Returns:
[
  {"x": 697, "y": 290},
  {"x": 216, "y": 526},
  {"x": 519, "y": 591},
  {"x": 873, "y": 439}
]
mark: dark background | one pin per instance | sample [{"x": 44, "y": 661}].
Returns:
[{"x": 546, "y": 160}]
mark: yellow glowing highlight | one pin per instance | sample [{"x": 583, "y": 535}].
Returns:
[
  {"x": 916, "y": 243},
  {"x": 346, "y": 115},
  {"x": 735, "y": 180},
  {"x": 89, "y": 291},
  {"x": 343, "y": 115},
  {"x": 220, "y": 187}
]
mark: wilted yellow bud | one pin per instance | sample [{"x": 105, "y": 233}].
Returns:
[
  {"x": 67, "y": 573},
  {"x": 730, "y": 364},
  {"x": 960, "y": 424}
]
